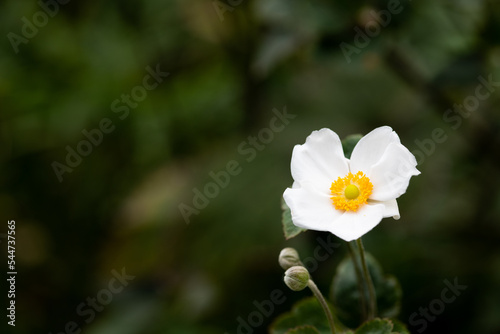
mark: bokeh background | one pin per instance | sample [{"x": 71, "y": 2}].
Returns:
[{"x": 228, "y": 70}]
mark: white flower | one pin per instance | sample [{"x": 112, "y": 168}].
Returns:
[{"x": 348, "y": 197}]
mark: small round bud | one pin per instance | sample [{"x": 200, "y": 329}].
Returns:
[
  {"x": 289, "y": 258},
  {"x": 297, "y": 278}
]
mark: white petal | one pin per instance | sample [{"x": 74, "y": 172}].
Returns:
[
  {"x": 310, "y": 208},
  {"x": 390, "y": 208},
  {"x": 391, "y": 175},
  {"x": 320, "y": 160},
  {"x": 353, "y": 225},
  {"x": 371, "y": 147}
]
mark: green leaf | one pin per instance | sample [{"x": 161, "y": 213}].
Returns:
[
  {"x": 289, "y": 229},
  {"x": 399, "y": 327},
  {"x": 376, "y": 326},
  {"x": 348, "y": 144},
  {"x": 307, "y": 312},
  {"x": 382, "y": 326},
  {"x": 303, "y": 330},
  {"x": 346, "y": 296}
]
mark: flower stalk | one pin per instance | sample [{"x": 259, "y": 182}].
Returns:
[
  {"x": 297, "y": 278},
  {"x": 372, "y": 311},
  {"x": 359, "y": 278},
  {"x": 324, "y": 305}
]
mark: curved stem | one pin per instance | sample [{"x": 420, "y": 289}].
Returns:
[
  {"x": 371, "y": 290},
  {"x": 323, "y": 303},
  {"x": 357, "y": 270}
]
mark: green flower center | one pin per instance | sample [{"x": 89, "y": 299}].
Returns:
[{"x": 351, "y": 191}]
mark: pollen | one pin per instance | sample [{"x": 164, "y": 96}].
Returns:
[{"x": 351, "y": 192}]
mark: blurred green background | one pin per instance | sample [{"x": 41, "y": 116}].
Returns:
[{"x": 229, "y": 68}]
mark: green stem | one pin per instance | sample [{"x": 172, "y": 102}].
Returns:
[
  {"x": 357, "y": 270},
  {"x": 371, "y": 290},
  {"x": 323, "y": 303}
]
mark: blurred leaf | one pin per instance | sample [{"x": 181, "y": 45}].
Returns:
[
  {"x": 289, "y": 229},
  {"x": 128, "y": 316},
  {"x": 382, "y": 326},
  {"x": 376, "y": 326},
  {"x": 348, "y": 144},
  {"x": 452, "y": 26},
  {"x": 307, "y": 312},
  {"x": 303, "y": 330},
  {"x": 399, "y": 327},
  {"x": 346, "y": 296},
  {"x": 275, "y": 48}
]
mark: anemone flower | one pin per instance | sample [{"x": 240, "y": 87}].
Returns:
[{"x": 348, "y": 197}]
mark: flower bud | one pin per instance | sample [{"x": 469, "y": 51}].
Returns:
[
  {"x": 289, "y": 258},
  {"x": 297, "y": 278}
]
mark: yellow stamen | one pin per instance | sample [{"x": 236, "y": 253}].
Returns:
[{"x": 351, "y": 191}]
